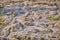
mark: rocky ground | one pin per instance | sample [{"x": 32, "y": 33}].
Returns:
[{"x": 30, "y": 21}]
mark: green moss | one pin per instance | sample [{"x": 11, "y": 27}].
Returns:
[{"x": 52, "y": 17}]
